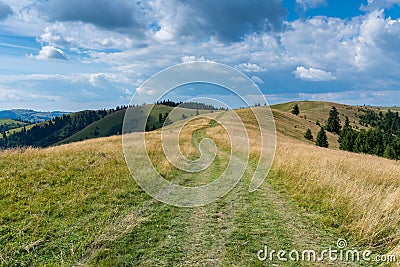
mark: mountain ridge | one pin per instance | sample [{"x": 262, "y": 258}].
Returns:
[{"x": 30, "y": 115}]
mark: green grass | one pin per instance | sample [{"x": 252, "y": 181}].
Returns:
[{"x": 9, "y": 122}]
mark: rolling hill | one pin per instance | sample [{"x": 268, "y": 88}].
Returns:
[
  {"x": 112, "y": 123},
  {"x": 89, "y": 124},
  {"x": 8, "y": 124},
  {"x": 77, "y": 205},
  {"x": 311, "y": 112}
]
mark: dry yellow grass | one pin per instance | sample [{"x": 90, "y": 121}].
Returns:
[
  {"x": 361, "y": 193},
  {"x": 357, "y": 193},
  {"x": 187, "y": 143}
]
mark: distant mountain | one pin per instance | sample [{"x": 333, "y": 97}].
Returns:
[{"x": 30, "y": 115}]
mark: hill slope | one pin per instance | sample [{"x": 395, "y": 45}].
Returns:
[
  {"x": 319, "y": 111},
  {"x": 112, "y": 123},
  {"x": 8, "y": 124},
  {"x": 311, "y": 113}
]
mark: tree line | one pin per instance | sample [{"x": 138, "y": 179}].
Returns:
[
  {"x": 188, "y": 105},
  {"x": 381, "y": 140},
  {"x": 53, "y": 131}
]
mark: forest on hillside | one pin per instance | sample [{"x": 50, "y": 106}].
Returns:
[
  {"x": 383, "y": 139},
  {"x": 53, "y": 131},
  {"x": 60, "y": 128}
]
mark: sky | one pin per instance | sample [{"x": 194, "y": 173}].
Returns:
[{"x": 73, "y": 55}]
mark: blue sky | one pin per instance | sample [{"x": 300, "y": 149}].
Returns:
[{"x": 72, "y": 55}]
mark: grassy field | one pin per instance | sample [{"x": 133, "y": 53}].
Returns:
[{"x": 76, "y": 205}]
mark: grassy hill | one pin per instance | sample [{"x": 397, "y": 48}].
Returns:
[
  {"x": 41, "y": 123},
  {"x": 76, "y": 204},
  {"x": 107, "y": 126},
  {"x": 8, "y": 124},
  {"x": 312, "y": 112},
  {"x": 112, "y": 123}
]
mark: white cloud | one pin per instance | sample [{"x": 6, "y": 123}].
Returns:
[
  {"x": 86, "y": 36},
  {"x": 379, "y": 4},
  {"x": 108, "y": 56},
  {"x": 312, "y": 74},
  {"x": 307, "y": 4},
  {"x": 250, "y": 67},
  {"x": 186, "y": 59},
  {"x": 50, "y": 52}
]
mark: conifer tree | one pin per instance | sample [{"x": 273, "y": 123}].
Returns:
[
  {"x": 322, "y": 139},
  {"x": 389, "y": 152},
  {"x": 308, "y": 135},
  {"x": 333, "y": 124},
  {"x": 296, "y": 110}
]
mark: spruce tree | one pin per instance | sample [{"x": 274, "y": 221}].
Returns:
[
  {"x": 347, "y": 136},
  {"x": 389, "y": 152},
  {"x": 322, "y": 139},
  {"x": 333, "y": 124},
  {"x": 296, "y": 110},
  {"x": 308, "y": 135}
]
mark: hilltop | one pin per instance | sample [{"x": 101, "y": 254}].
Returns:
[{"x": 313, "y": 114}]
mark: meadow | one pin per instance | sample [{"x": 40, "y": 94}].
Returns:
[{"x": 77, "y": 205}]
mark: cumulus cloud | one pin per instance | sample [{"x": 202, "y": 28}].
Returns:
[
  {"x": 308, "y": 4},
  {"x": 5, "y": 10},
  {"x": 82, "y": 35},
  {"x": 379, "y": 4},
  {"x": 246, "y": 34},
  {"x": 50, "y": 52},
  {"x": 119, "y": 15},
  {"x": 311, "y": 74},
  {"x": 382, "y": 33},
  {"x": 250, "y": 67},
  {"x": 228, "y": 21}
]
